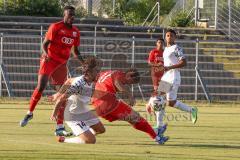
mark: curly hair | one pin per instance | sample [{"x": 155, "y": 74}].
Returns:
[{"x": 90, "y": 63}]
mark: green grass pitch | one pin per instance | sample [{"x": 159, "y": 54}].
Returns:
[{"x": 216, "y": 136}]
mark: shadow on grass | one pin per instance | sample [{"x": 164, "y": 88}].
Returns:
[{"x": 214, "y": 146}]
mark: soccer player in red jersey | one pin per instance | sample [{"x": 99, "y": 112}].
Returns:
[
  {"x": 155, "y": 60},
  {"x": 107, "y": 105},
  {"x": 57, "y": 45}
]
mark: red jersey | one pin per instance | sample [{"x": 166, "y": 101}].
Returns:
[
  {"x": 155, "y": 56},
  {"x": 106, "y": 81},
  {"x": 62, "y": 39},
  {"x": 104, "y": 99}
]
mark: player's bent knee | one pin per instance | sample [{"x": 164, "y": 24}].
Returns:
[
  {"x": 88, "y": 137},
  {"x": 91, "y": 140},
  {"x": 101, "y": 130}
]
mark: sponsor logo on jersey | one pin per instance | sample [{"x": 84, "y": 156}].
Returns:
[
  {"x": 67, "y": 40},
  {"x": 74, "y": 34}
]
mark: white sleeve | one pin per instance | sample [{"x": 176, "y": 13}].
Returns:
[
  {"x": 75, "y": 87},
  {"x": 179, "y": 53}
]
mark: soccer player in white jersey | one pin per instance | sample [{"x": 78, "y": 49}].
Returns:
[
  {"x": 76, "y": 93},
  {"x": 174, "y": 59}
]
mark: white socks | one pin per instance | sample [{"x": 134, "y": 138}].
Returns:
[
  {"x": 77, "y": 140},
  {"x": 182, "y": 106},
  {"x": 93, "y": 132},
  {"x": 30, "y": 113},
  {"x": 159, "y": 116}
]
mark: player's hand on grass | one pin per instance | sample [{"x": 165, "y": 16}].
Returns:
[{"x": 53, "y": 116}]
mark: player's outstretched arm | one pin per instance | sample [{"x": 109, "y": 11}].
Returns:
[
  {"x": 59, "y": 103},
  {"x": 61, "y": 97},
  {"x": 126, "y": 90},
  {"x": 62, "y": 90}
]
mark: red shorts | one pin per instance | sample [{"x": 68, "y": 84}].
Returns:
[
  {"x": 116, "y": 109},
  {"x": 56, "y": 71}
]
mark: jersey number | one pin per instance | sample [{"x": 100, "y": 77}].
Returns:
[{"x": 81, "y": 124}]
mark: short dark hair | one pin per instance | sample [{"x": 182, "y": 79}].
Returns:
[
  {"x": 171, "y": 31},
  {"x": 160, "y": 39},
  {"x": 134, "y": 74},
  {"x": 68, "y": 7}
]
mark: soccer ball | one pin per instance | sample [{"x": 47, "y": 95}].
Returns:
[{"x": 157, "y": 103}]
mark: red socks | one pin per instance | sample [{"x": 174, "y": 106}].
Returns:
[
  {"x": 144, "y": 126},
  {"x": 36, "y": 96},
  {"x": 60, "y": 114}
]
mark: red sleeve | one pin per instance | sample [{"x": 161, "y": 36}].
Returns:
[
  {"x": 51, "y": 33},
  {"x": 151, "y": 57},
  {"x": 118, "y": 75},
  {"x": 77, "y": 42}
]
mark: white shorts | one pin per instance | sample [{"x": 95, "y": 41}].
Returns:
[
  {"x": 79, "y": 127},
  {"x": 171, "y": 95},
  {"x": 170, "y": 90}
]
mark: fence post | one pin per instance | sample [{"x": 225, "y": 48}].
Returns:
[
  {"x": 133, "y": 55},
  {"x": 196, "y": 67},
  {"x": 95, "y": 40},
  {"x": 216, "y": 13},
  {"x": 113, "y": 5},
  {"x": 158, "y": 12},
  {"x": 1, "y": 61},
  {"x": 196, "y": 12},
  {"x": 229, "y": 18},
  {"x": 41, "y": 39},
  {"x": 90, "y": 4}
]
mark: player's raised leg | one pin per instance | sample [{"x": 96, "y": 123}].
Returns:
[
  {"x": 181, "y": 106},
  {"x": 36, "y": 96},
  {"x": 173, "y": 102}
]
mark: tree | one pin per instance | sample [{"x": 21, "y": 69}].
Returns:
[
  {"x": 135, "y": 11},
  {"x": 32, "y": 7},
  {"x": 181, "y": 20}
]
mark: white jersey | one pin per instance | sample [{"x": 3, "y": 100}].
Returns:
[
  {"x": 77, "y": 115},
  {"x": 171, "y": 56},
  {"x": 77, "y": 103}
]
